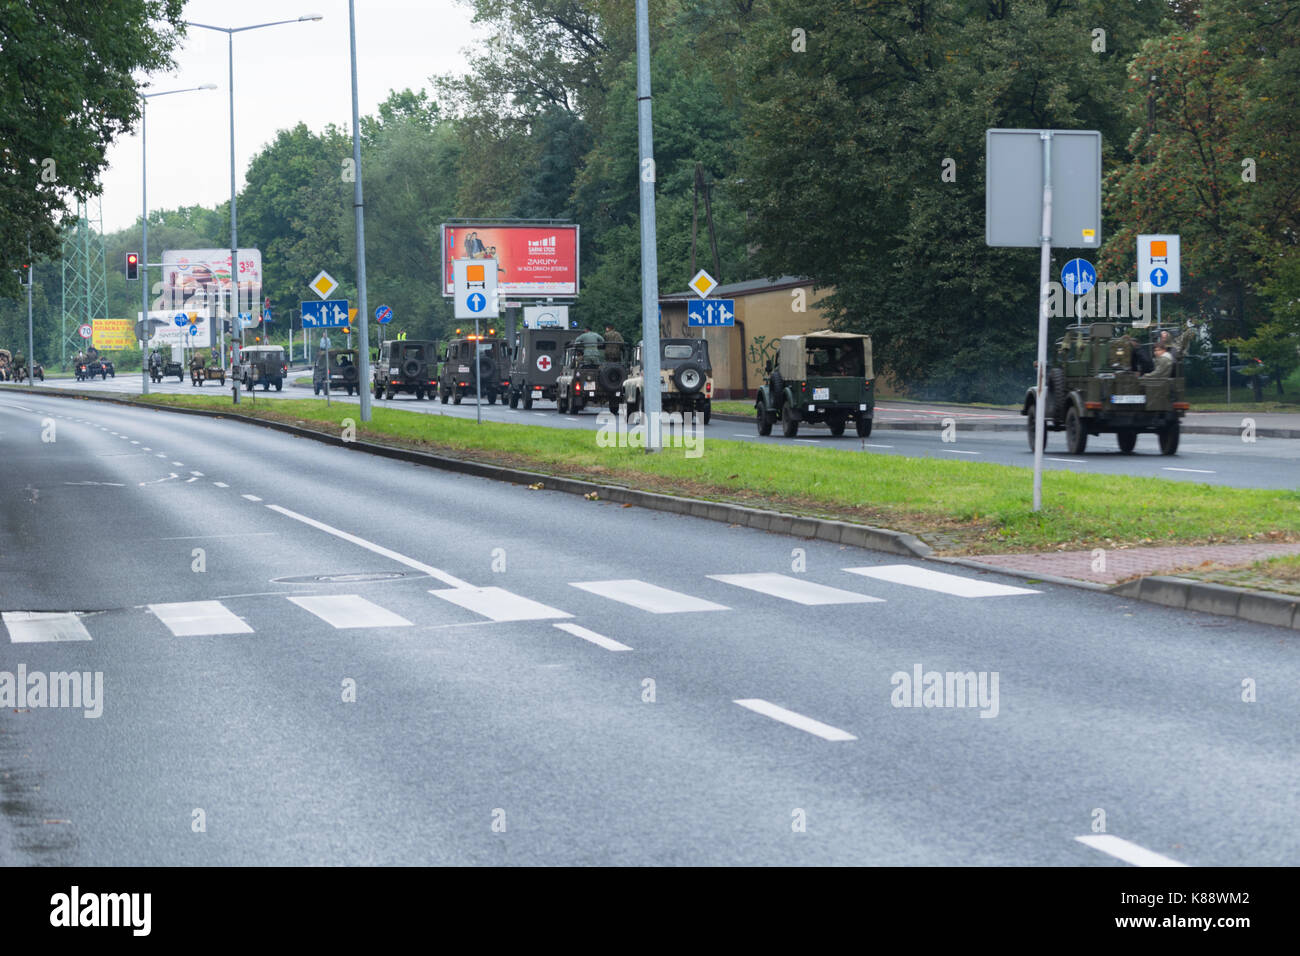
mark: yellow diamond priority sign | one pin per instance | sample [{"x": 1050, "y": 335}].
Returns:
[
  {"x": 703, "y": 284},
  {"x": 323, "y": 284}
]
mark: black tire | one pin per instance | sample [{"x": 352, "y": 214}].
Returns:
[
  {"x": 1076, "y": 435},
  {"x": 1169, "y": 438},
  {"x": 528, "y": 399},
  {"x": 863, "y": 427},
  {"x": 514, "y": 399},
  {"x": 836, "y": 425},
  {"x": 611, "y": 377},
  {"x": 442, "y": 396},
  {"x": 411, "y": 367},
  {"x": 763, "y": 417},
  {"x": 1056, "y": 394},
  {"x": 419, "y": 394},
  {"x": 1127, "y": 440},
  {"x": 708, "y": 411},
  {"x": 689, "y": 378},
  {"x": 1029, "y": 419},
  {"x": 316, "y": 386},
  {"x": 350, "y": 375},
  {"x": 492, "y": 398},
  {"x": 455, "y": 399},
  {"x": 487, "y": 369},
  {"x": 379, "y": 392},
  {"x": 789, "y": 424}
]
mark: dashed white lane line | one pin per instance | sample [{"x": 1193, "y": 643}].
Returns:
[
  {"x": 808, "y": 441},
  {"x": 958, "y": 451},
  {"x": 221, "y": 484},
  {"x": 136, "y": 443},
  {"x": 198, "y": 473},
  {"x": 1068, "y": 461},
  {"x": 869, "y": 445},
  {"x": 433, "y": 572},
  {"x": 1124, "y": 850},
  {"x": 252, "y": 498},
  {"x": 1192, "y": 471},
  {"x": 953, "y": 584},
  {"x": 794, "y": 589},
  {"x": 189, "y": 480},
  {"x": 499, "y": 604},
  {"x": 600, "y": 640},
  {"x": 198, "y": 618},
  {"x": 647, "y": 597},
  {"x": 37, "y": 627},
  {"x": 349, "y": 610},
  {"x": 178, "y": 464},
  {"x": 806, "y": 724}
]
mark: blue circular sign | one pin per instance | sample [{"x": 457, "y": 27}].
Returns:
[
  {"x": 1159, "y": 277},
  {"x": 1078, "y": 276},
  {"x": 181, "y": 319},
  {"x": 194, "y": 330},
  {"x": 383, "y": 314},
  {"x": 476, "y": 302}
]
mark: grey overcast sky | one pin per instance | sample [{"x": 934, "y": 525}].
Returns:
[{"x": 283, "y": 75}]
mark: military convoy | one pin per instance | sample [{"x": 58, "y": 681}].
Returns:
[
  {"x": 264, "y": 365},
  {"x": 685, "y": 378},
  {"x": 336, "y": 369},
  {"x": 406, "y": 365},
  {"x": 474, "y": 364},
  {"x": 819, "y": 377},
  {"x": 535, "y": 363},
  {"x": 1102, "y": 382},
  {"x": 591, "y": 375}
]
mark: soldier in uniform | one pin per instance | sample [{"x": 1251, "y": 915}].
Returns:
[
  {"x": 613, "y": 344},
  {"x": 1164, "y": 364},
  {"x": 591, "y": 345}
]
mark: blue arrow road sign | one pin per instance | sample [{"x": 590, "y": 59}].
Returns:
[
  {"x": 330, "y": 314},
  {"x": 181, "y": 319},
  {"x": 194, "y": 330},
  {"x": 383, "y": 314},
  {"x": 711, "y": 312},
  {"x": 1159, "y": 277},
  {"x": 1078, "y": 276},
  {"x": 477, "y": 301}
]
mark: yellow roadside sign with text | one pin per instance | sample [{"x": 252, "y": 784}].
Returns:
[{"x": 112, "y": 335}]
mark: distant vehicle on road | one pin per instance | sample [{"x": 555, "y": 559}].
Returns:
[
  {"x": 685, "y": 378},
  {"x": 819, "y": 377},
  {"x": 264, "y": 365},
  {"x": 335, "y": 369},
  {"x": 535, "y": 364},
  {"x": 405, "y": 365},
  {"x": 87, "y": 365},
  {"x": 474, "y": 358},
  {"x": 591, "y": 376}
]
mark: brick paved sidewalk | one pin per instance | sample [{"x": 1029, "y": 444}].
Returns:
[{"x": 1133, "y": 562}]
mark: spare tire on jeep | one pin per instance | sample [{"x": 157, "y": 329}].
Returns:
[
  {"x": 411, "y": 367},
  {"x": 611, "y": 377},
  {"x": 350, "y": 374},
  {"x": 688, "y": 377},
  {"x": 487, "y": 369}
]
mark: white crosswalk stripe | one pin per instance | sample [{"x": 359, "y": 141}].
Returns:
[
  {"x": 806, "y": 724},
  {"x": 38, "y": 627},
  {"x": 498, "y": 604},
  {"x": 349, "y": 610},
  {"x": 197, "y": 618},
  {"x": 647, "y": 597},
  {"x": 794, "y": 589},
  {"x": 953, "y": 584}
]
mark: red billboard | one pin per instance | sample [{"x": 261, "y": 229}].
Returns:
[{"x": 532, "y": 260}]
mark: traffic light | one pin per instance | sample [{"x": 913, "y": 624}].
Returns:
[
  {"x": 133, "y": 265},
  {"x": 25, "y": 274}
]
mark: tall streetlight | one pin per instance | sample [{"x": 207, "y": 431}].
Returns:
[
  {"x": 234, "y": 241},
  {"x": 144, "y": 224},
  {"x": 358, "y": 207}
]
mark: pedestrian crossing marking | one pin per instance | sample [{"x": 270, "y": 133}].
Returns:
[
  {"x": 794, "y": 589},
  {"x": 954, "y": 584},
  {"x": 499, "y": 604},
  {"x": 647, "y": 597},
  {"x": 39, "y": 627},
  {"x": 199, "y": 618},
  {"x": 349, "y": 610},
  {"x": 806, "y": 724}
]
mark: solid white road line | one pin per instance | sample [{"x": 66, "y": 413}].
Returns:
[
  {"x": 37, "y": 627},
  {"x": 251, "y": 498},
  {"x": 196, "y": 618},
  {"x": 433, "y": 572},
  {"x": 599, "y": 640},
  {"x": 648, "y": 597},
  {"x": 938, "y": 581},
  {"x": 499, "y": 604},
  {"x": 807, "y": 724},
  {"x": 1192, "y": 471},
  {"x": 958, "y": 451},
  {"x": 349, "y": 610},
  {"x": 1068, "y": 461},
  {"x": 1126, "y": 851},
  {"x": 794, "y": 589},
  {"x": 869, "y": 445}
]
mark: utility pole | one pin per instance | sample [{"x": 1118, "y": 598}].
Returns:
[{"x": 651, "y": 397}]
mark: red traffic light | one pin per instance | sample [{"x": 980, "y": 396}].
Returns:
[{"x": 132, "y": 265}]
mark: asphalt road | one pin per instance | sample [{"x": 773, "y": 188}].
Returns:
[
  {"x": 502, "y": 643},
  {"x": 1213, "y": 459}
]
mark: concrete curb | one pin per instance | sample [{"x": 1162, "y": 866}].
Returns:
[{"x": 1261, "y": 607}]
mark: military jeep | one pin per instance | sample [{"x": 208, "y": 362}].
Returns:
[
  {"x": 1102, "y": 382},
  {"x": 819, "y": 377},
  {"x": 335, "y": 369},
  {"x": 685, "y": 378},
  {"x": 406, "y": 365},
  {"x": 591, "y": 375},
  {"x": 474, "y": 358},
  {"x": 535, "y": 364},
  {"x": 264, "y": 365}
]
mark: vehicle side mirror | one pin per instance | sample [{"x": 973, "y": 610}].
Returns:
[{"x": 768, "y": 366}]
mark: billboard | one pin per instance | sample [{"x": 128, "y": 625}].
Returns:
[
  {"x": 113, "y": 335},
  {"x": 533, "y": 260},
  {"x": 198, "y": 280},
  {"x": 164, "y": 332}
]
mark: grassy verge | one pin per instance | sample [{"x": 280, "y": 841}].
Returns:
[
  {"x": 958, "y": 507},
  {"x": 1281, "y": 575}
]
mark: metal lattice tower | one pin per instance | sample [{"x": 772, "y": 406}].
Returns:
[{"x": 85, "y": 282}]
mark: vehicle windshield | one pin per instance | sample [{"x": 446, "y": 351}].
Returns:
[
  {"x": 678, "y": 351},
  {"x": 413, "y": 352},
  {"x": 829, "y": 357}
]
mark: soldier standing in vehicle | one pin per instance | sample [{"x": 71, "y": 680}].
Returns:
[
  {"x": 591, "y": 344},
  {"x": 613, "y": 344},
  {"x": 1164, "y": 364}
]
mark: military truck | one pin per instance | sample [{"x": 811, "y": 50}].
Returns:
[
  {"x": 264, "y": 365},
  {"x": 819, "y": 377},
  {"x": 535, "y": 364},
  {"x": 685, "y": 378},
  {"x": 470, "y": 358},
  {"x": 1101, "y": 382},
  {"x": 336, "y": 369},
  {"x": 591, "y": 376},
  {"x": 406, "y": 365}
]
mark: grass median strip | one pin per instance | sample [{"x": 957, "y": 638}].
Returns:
[{"x": 958, "y": 507}]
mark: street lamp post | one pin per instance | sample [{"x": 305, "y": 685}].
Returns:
[
  {"x": 144, "y": 224},
  {"x": 234, "y": 238},
  {"x": 359, "y": 208}
]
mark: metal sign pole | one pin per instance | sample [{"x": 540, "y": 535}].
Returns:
[
  {"x": 651, "y": 399},
  {"x": 1044, "y": 277},
  {"x": 478, "y": 375}
]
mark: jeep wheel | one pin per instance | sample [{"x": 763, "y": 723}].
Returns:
[
  {"x": 514, "y": 399},
  {"x": 836, "y": 425},
  {"x": 1169, "y": 438},
  {"x": 1128, "y": 439},
  {"x": 688, "y": 377},
  {"x": 1076, "y": 435},
  {"x": 789, "y": 424},
  {"x": 492, "y": 398},
  {"x": 863, "y": 427},
  {"x": 455, "y": 399},
  {"x": 763, "y": 418},
  {"x": 316, "y": 386},
  {"x": 611, "y": 377},
  {"x": 419, "y": 394},
  {"x": 1056, "y": 393},
  {"x": 442, "y": 396},
  {"x": 379, "y": 392},
  {"x": 708, "y": 411},
  {"x": 528, "y": 399},
  {"x": 279, "y": 384}
]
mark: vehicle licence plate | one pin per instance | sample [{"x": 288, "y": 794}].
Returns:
[
  {"x": 1128, "y": 399},
  {"x": 822, "y": 394},
  {"x": 591, "y": 386}
]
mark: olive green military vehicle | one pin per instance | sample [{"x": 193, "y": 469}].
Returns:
[
  {"x": 591, "y": 375},
  {"x": 264, "y": 365},
  {"x": 685, "y": 378},
  {"x": 406, "y": 365},
  {"x": 481, "y": 357},
  {"x": 820, "y": 377},
  {"x": 1102, "y": 381},
  {"x": 535, "y": 363},
  {"x": 336, "y": 369}
]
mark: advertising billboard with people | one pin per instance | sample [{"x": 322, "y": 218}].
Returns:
[{"x": 533, "y": 260}]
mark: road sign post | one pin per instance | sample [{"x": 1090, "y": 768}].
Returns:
[
  {"x": 1027, "y": 171},
  {"x": 475, "y": 290},
  {"x": 711, "y": 313},
  {"x": 1159, "y": 267}
]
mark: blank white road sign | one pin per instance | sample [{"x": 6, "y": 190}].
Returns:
[
  {"x": 1158, "y": 268},
  {"x": 1013, "y": 188}
]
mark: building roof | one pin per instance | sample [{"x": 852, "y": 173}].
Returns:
[{"x": 733, "y": 289}]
